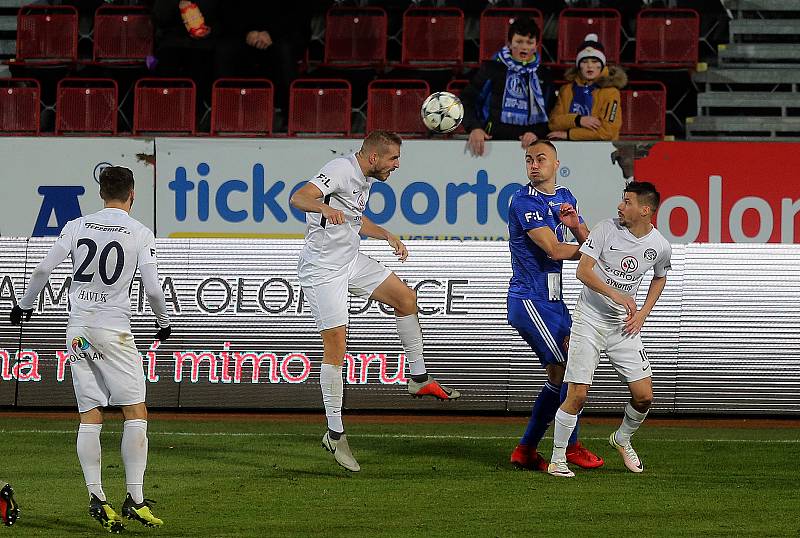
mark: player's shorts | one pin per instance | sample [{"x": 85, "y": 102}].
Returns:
[
  {"x": 106, "y": 367},
  {"x": 543, "y": 324},
  {"x": 326, "y": 289},
  {"x": 589, "y": 337}
]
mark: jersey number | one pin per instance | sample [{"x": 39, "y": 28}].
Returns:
[
  {"x": 80, "y": 276},
  {"x": 532, "y": 215}
]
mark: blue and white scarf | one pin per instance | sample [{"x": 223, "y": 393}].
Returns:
[
  {"x": 582, "y": 99},
  {"x": 523, "y": 101}
]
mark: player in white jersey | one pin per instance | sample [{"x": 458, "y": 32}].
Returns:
[
  {"x": 106, "y": 248},
  {"x": 615, "y": 257},
  {"x": 330, "y": 266}
]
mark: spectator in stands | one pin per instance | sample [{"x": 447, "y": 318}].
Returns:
[
  {"x": 192, "y": 40},
  {"x": 510, "y": 95},
  {"x": 272, "y": 38},
  {"x": 588, "y": 107}
]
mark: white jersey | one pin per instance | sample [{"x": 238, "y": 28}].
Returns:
[
  {"x": 106, "y": 248},
  {"x": 343, "y": 187},
  {"x": 622, "y": 261}
]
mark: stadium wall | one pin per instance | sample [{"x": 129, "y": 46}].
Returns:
[{"x": 723, "y": 339}]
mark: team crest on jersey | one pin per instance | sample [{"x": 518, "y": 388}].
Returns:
[
  {"x": 650, "y": 254},
  {"x": 629, "y": 264}
]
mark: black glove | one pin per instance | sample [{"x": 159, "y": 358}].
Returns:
[
  {"x": 17, "y": 313},
  {"x": 163, "y": 333}
]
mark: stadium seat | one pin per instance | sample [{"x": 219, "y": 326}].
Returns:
[
  {"x": 241, "y": 107},
  {"x": 575, "y": 23},
  {"x": 644, "y": 109},
  {"x": 494, "y": 23},
  {"x": 395, "y": 105},
  {"x": 19, "y": 106},
  {"x": 433, "y": 37},
  {"x": 164, "y": 105},
  {"x": 320, "y": 107},
  {"x": 667, "y": 37},
  {"x": 46, "y": 35},
  {"x": 122, "y": 35},
  {"x": 86, "y": 106},
  {"x": 355, "y": 37}
]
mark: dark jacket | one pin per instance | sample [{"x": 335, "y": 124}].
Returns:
[{"x": 486, "y": 89}]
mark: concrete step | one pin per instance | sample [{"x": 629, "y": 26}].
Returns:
[
  {"x": 762, "y": 5},
  {"x": 748, "y": 75},
  {"x": 762, "y": 53},
  {"x": 749, "y": 99},
  {"x": 750, "y": 127},
  {"x": 763, "y": 27}
]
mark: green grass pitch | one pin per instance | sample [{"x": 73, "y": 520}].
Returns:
[{"x": 447, "y": 477}]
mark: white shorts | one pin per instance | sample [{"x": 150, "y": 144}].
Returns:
[
  {"x": 326, "y": 289},
  {"x": 106, "y": 368},
  {"x": 590, "y": 337}
]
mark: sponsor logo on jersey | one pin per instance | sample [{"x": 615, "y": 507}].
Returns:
[
  {"x": 80, "y": 350},
  {"x": 629, "y": 264}
]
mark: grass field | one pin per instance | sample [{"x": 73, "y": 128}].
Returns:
[{"x": 441, "y": 477}]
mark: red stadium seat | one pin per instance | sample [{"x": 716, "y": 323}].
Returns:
[
  {"x": 494, "y": 25},
  {"x": 19, "y": 106},
  {"x": 320, "y": 107},
  {"x": 122, "y": 34},
  {"x": 355, "y": 36},
  {"x": 164, "y": 105},
  {"x": 242, "y": 107},
  {"x": 86, "y": 106},
  {"x": 644, "y": 109},
  {"x": 433, "y": 37},
  {"x": 667, "y": 37},
  {"x": 394, "y": 105},
  {"x": 575, "y": 23},
  {"x": 47, "y": 35}
]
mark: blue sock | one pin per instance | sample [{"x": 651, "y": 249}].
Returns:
[
  {"x": 544, "y": 410},
  {"x": 574, "y": 437}
]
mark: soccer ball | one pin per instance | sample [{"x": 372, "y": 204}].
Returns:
[{"x": 442, "y": 112}]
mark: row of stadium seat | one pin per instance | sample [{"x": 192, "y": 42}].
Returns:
[
  {"x": 357, "y": 36},
  {"x": 244, "y": 107}
]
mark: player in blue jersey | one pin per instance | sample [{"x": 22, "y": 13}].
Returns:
[{"x": 539, "y": 217}]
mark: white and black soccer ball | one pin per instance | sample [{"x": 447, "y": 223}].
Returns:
[{"x": 442, "y": 112}]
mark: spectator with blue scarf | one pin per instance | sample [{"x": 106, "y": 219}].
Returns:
[
  {"x": 588, "y": 106},
  {"x": 509, "y": 96}
]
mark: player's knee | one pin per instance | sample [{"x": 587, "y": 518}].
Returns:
[
  {"x": 408, "y": 303},
  {"x": 642, "y": 402},
  {"x": 577, "y": 395}
]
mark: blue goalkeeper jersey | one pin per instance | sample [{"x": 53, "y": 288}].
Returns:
[{"x": 530, "y": 209}]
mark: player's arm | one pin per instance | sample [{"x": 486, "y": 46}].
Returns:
[
  {"x": 370, "y": 229},
  {"x": 585, "y": 273},
  {"x": 57, "y": 254},
  {"x": 148, "y": 269},
  {"x": 546, "y": 240},
  {"x": 635, "y": 324},
  {"x": 309, "y": 197}
]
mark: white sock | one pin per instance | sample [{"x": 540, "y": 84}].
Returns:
[
  {"x": 565, "y": 423},
  {"x": 332, "y": 385},
  {"x": 88, "y": 445},
  {"x": 630, "y": 423},
  {"x": 411, "y": 337},
  {"x": 134, "y": 456}
]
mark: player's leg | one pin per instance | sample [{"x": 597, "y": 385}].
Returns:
[
  {"x": 371, "y": 279},
  {"x": 586, "y": 341},
  {"x": 630, "y": 360},
  {"x": 325, "y": 291},
  {"x": 92, "y": 395},
  {"x": 544, "y": 326},
  {"x": 9, "y": 509},
  {"x": 134, "y": 448}
]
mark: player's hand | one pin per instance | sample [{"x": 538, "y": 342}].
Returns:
[
  {"x": 557, "y": 135},
  {"x": 163, "y": 333},
  {"x": 17, "y": 313},
  {"x": 333, "y": 216},
  {"x": 477, "y": 142},
  {"x": 629, "y": 304},
  {"x": 527, "y": 139},
  {"x": 635, "y": 323},
  {"x": 399, "y": 247},
  {"x": 568, "y": 215},
  {"x": 590, "y": 122}
]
